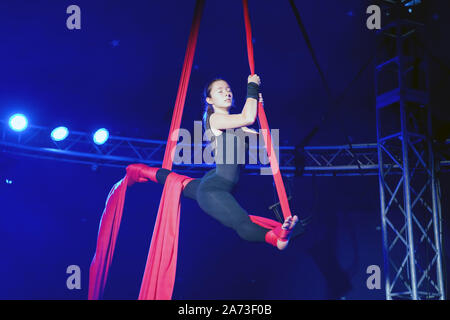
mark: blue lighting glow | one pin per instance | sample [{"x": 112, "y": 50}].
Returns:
[
  {"x": 412, "y": 3},
  {"x": 59, "y": 133},
  {"x": 18, "y": 122},
  {"x": 101, "y": 136}
]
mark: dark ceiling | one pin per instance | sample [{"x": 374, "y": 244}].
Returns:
[{"x": 122, "y": 69}]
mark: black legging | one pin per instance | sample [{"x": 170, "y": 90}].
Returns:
[{"x": 212, "y": 193}]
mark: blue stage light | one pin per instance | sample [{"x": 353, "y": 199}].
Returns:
[
  {"x": 18, "y": 122},
  {"x": 59, "y": 133},
  {"x": 101, "y": 136}
]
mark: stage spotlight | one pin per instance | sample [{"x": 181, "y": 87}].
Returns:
[
  {"x": 18, "y": 122},
  {"x": 59, "y": 133},
  {"x": 101, "y": 136}
]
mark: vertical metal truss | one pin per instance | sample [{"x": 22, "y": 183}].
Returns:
[{"x": 409, "y": 188}]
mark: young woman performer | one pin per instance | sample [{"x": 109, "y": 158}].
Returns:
[{"x": 213, "y": 191}]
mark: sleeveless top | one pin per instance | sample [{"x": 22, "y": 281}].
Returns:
[{"x": 230, "y": 153}]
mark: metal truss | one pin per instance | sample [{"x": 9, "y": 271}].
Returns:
[
  {"x": 410, "y": 199},
  {"x": 78, "y": 147}
]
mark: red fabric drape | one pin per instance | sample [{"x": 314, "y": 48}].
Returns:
[
  {"x": 182, "y": 87},
  {"x": 263, "y": 123},
  {"x": 160, "y": 269},
  {"x": 106, "y": 240},
  {"x": 159, "y": 274}
]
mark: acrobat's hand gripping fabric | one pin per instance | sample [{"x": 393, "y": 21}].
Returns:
[{"x": 159, "y": 274}]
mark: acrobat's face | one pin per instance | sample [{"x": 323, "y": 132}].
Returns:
[{"x": 220, "y": 95}]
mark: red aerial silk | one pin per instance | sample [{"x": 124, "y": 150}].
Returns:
[
  {"x": 182, "y": 87},
  {"x": 106, "y": 240},
  {"x": 159, "y": 275},
  {"x": 264, "y": 124}
]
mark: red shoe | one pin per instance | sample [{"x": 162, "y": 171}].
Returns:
[
  {"x": 276, "y": 234},
  {"x": 138, "y": 172},
  {"x": 280, "y": 234}
]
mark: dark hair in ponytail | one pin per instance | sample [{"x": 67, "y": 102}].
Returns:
[{"x": 208, "y": 110}]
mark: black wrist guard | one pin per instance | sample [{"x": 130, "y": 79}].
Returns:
[{"x": 252, "y": 90}]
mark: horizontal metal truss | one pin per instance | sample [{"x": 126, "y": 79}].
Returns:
[{"x": 78, "y": 147}]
